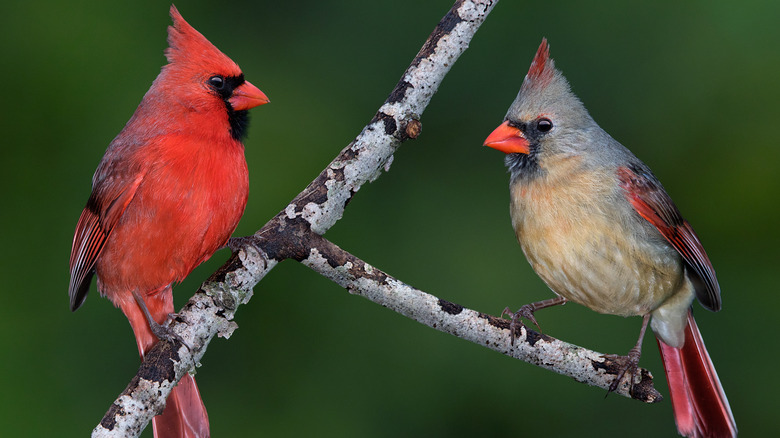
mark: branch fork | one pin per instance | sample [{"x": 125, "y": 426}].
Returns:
[{"x": 297, "y": 231}]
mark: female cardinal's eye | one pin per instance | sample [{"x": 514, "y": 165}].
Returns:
[
  {"x": 217, "y": 82},
  {"x": 544, "y": 125}
]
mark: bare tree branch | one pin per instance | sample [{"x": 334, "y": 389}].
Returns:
[{"x": 296, "y": 233}]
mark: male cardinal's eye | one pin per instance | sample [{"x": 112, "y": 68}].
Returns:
[
  {"x": 544, "y": 125},
  {"x": 217, "y": 82}
]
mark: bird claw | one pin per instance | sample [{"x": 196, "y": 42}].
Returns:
[
  {"x": 236, "y": 243},
  {"x": 162, "y": 331},
  {"x": 527, "y": 312},
  {"x": 629, "y": 365},
  {"x": 165, "y": 332}
]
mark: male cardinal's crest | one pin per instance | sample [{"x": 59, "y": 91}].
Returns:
[{"x": 187, "y": 46}]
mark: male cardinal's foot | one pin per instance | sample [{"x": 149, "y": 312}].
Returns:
[
  {"x": 162, "y": 331},
  {"x": 236, "y": 243},
  {"x": 527, "y": 312}
]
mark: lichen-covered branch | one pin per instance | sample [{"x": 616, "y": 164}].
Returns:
[
  {"x": 583, "y": 365},
  {"x": 315, "y": 210},
  {"x": 207, "y": 314},
  {"x": 296, "y": 233}
]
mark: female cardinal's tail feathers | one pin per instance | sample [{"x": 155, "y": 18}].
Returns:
[{"x": 700, "y": 405}]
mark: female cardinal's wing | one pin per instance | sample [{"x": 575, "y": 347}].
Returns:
[
  {"x": 105, "y": 206},
  {"x": 651, "y": 201}
]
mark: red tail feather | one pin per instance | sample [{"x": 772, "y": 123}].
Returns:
[
  {"x": 700, "y": 405},
  {"x": 184, "y": 415}
]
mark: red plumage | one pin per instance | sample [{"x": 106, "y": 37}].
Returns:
[
  {"x": 701, "y": 408},
  {"x": 167, "y": 194},
  {"x": 542, "y": 67}
]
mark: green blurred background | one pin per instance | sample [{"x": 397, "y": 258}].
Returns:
[{"x": 691, "y": 88}]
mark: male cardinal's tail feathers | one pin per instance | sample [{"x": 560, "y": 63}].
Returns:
[
  {"x": 184, "y": 415},
  {"x": 700, "y": 405}
]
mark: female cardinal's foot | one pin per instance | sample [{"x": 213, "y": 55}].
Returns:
[
  {"x": 628, "y": 365},
  {"x": 527, "y": 312},
  {"x": 514, "y": 326}
]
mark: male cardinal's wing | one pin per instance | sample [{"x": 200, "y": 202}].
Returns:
[
  {"x": 105, "y": 206},
  {"x": 651, "y": 201}
]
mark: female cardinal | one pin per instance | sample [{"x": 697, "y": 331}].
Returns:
[
  {"x": 168, "y": 193},
  {"x": 600, "y": 230}
]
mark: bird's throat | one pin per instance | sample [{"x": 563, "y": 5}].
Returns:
[
  {"x": 239, "y": 122},
  {"x": 523, "y": 167}
]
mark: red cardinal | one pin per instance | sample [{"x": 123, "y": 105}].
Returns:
[
  {"x": 600, "y": 230},
  {"x": 168, "y": 193}
]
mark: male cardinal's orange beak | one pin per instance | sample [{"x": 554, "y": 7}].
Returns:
[
  {"x": 247, "y": 96},
  {"x": 508, "y": 140}
]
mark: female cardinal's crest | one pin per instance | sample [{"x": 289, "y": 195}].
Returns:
[{"x": 542, "y": 68}]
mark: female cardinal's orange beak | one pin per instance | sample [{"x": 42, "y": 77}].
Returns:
[
  {"x": 247, "y": 96},
  {"x": 508, "y": 140}
]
